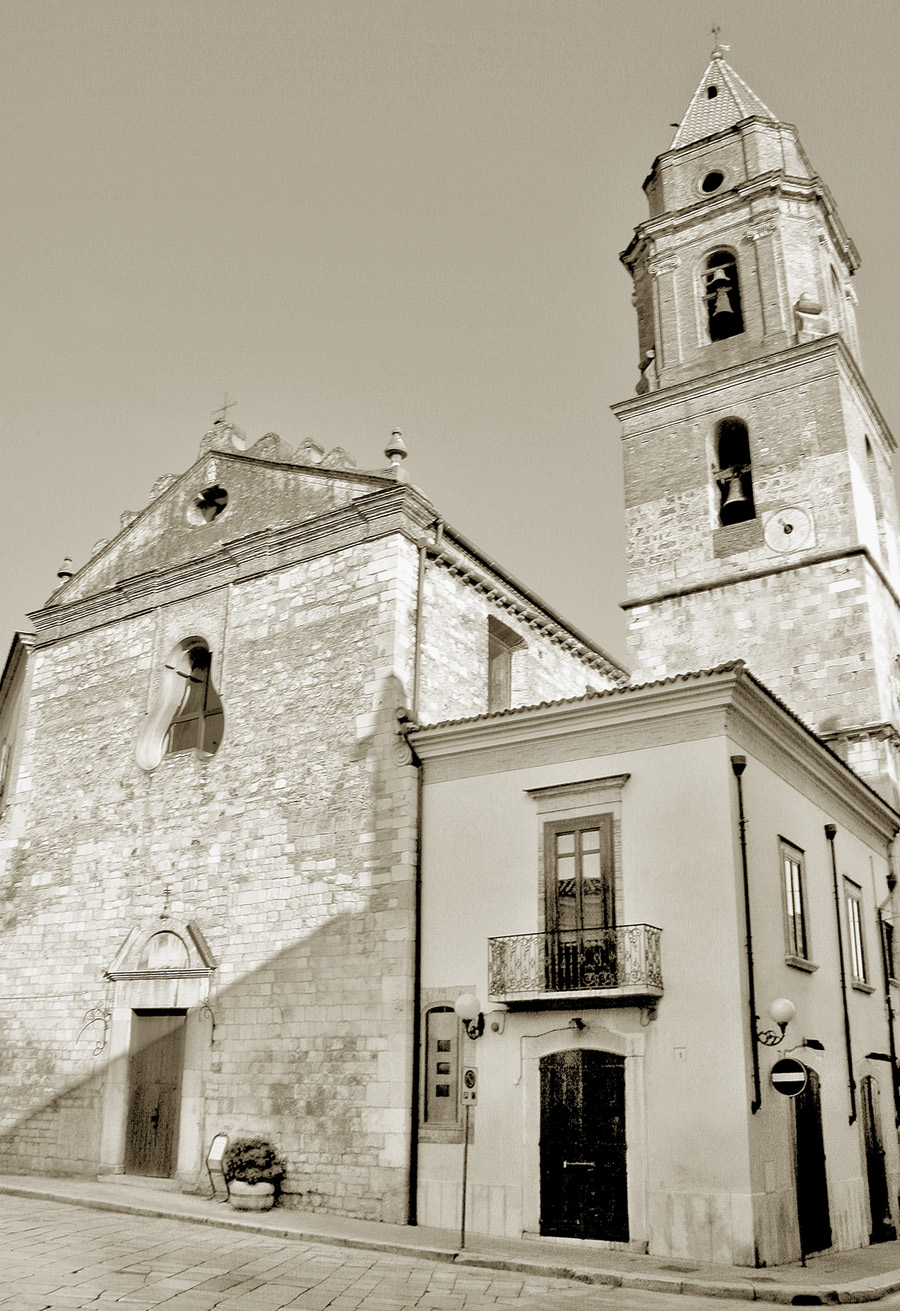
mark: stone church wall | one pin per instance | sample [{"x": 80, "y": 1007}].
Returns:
[
  {"x": 455, "y": 654},
  {"x": 291, "y": 848}
]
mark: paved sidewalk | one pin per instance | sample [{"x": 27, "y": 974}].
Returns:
[{"x": 864, "y": 1275}]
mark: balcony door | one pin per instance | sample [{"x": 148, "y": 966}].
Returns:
[{"x": 580, "y": 887}]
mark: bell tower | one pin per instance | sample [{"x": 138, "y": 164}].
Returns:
[{"x": 761, "y": 515}]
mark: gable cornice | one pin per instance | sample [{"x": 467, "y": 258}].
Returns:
[{"x": 392, "y": 508}]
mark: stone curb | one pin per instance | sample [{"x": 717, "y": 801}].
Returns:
[{"x": 854, "y": 1292}]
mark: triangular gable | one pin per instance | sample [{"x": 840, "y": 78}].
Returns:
[{"x": 221, "y": 498}]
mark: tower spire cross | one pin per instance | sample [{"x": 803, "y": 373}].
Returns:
[
  {"x": 222, "y": 411},
  {"x": 716, "y": 34}
]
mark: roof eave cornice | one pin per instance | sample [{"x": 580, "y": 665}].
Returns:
[
  {"x": 581, "y": 714},
  {"x": 757, "y": 706},
  {"x": 460, "y": 556},
  {"x": 730, "y": 689}
]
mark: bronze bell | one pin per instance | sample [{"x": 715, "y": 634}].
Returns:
[
  {"x": 716, "y": 276},
  {"x": 722, "y": 303},
  {"x": 735, "y": 495}
]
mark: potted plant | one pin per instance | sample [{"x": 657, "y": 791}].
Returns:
[{"x": 253, "y": 1171}]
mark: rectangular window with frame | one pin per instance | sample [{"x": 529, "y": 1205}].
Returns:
[
  {"x": 579, "y": 865},
  {"x": 887, "y": 939},
  {"x": 856, "y": 940},
  {"x": 503, "y": 642},
  {"x": 793, "y": 882}
]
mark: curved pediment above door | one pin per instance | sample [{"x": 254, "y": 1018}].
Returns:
[{"x": 163, "y": 949}]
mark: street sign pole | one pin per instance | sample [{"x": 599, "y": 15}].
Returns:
[
  {"x": 790, "y": 1077},
  {"x": 470, "y": 1098},
  {"x": 462, "y": 1217}
]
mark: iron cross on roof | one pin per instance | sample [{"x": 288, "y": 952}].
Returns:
[{"x": 223, "y": 409}]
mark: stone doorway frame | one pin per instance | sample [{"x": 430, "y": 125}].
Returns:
[{"x": 186, "y": 988}]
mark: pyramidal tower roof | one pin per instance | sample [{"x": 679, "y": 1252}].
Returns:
[{"x": 721, "y": 100}]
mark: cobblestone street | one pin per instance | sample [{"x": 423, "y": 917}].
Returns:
[{"x": 63, "y": 1258}]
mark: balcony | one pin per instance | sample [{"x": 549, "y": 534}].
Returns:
[{"x": 615, "y": 966}]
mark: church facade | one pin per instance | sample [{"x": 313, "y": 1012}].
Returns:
[{"x": 209, "y": 825}]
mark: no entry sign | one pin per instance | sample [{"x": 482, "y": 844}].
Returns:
[{"x": 788, "y": 1076}]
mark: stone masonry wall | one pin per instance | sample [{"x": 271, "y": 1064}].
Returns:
[
  {"x": 455, "y": 653},
  {"x": 806, "y": 634},
  {"x": 798, "y": 447},
  {"x": 292, "y": 848}
]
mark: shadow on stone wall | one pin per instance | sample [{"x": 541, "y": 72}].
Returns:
[
  {"x": 310, "y": 1047},
  {"x": 305, "y": 1050}
]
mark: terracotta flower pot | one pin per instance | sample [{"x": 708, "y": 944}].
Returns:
[{"x": 251, "y": 1197}]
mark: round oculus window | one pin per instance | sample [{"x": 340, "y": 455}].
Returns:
[
  {"x": 712, "y": 181},
  {"x": 207, "y": 506}
]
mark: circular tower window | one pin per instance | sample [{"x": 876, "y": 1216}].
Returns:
[{"x": 712, "y": 181}]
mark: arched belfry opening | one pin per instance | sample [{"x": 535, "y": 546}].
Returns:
[
  {"x": 735, "y": 476},
  {"x": 722, "y": 293}
]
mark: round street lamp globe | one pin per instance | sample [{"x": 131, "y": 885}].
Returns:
[
  {"x": 782, "y": 1011},
  {"x": 467, "y": 1006}
]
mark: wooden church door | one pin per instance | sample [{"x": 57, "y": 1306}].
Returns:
[
  {"x": 584, "y": 1184},
  {"x": 154, "y": 1102}
]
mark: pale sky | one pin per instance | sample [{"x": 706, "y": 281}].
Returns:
[{"x": 357, "y": 215}]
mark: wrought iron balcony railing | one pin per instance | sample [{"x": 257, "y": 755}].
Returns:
[{"x": 625, "y": 959}]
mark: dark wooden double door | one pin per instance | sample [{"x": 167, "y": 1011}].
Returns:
[
  {"x": 155, "y": 1067},
  {"x": 584, "y": 1182}
]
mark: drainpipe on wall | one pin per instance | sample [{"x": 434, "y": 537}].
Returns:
[
  {"x": 413, "y": 716},
  {"x": 739, "y": 764},
  {"x": 831, "y": 833},
  {"x": 412, "y": 1205}
]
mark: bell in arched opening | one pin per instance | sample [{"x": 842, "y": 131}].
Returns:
[
  {"x": 723, "y": 296},
  {"x": 734, "y": 477}
]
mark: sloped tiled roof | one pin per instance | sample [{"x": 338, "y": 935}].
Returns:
[
  {"x": 737, "y": 667},
  {"x": 607, "y": 693},
  {"x": 732, "y": 102}
]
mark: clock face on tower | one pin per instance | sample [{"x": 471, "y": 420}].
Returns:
[{"x": 790, "y": 529}]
